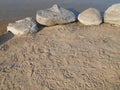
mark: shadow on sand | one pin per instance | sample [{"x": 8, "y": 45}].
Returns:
[
  {"x": 5, "y": 37},
  {"x": 8, "y": 35}
]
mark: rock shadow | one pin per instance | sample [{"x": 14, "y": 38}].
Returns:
[
  {"x": 5, "y": 37},
  {"x": 76, "y": 13},
  {"x": 40, "y": 27},
  {"x": 102, "y": 15}
]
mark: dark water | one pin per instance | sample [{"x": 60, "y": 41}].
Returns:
[{"x": 23, "y": 8}]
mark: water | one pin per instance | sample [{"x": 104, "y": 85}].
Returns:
[{"x": 23, "y": 8}]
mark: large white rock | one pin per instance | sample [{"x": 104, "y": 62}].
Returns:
[
  {"x": 23, "y": 26},
  {"x": 112, "y": 14},
  {"x": 55, "y": 15},
  {"x": 91, "y": 16}
]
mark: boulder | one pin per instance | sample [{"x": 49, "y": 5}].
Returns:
[
  {"x": 24, "y": 26},
  {"x": 55, "y": 15},
  {"x": 91, "y": 16},
  {"x": 112, "y": 14}
]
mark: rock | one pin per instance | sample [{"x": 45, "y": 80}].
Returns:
[
  {"x": 54, "y": 15},
  {"x": 91, "y": 16},
  {"x": 23, "y": 26},
  {"x": 112, "y": 14}
]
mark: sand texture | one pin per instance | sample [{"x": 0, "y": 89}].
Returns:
[{"x": 62, "y": 57}]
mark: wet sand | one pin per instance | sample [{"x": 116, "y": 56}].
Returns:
[
  {"x": 62, "y": 57},
  {"x": 3, "y": 25}
]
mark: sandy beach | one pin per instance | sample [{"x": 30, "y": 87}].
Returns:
[{"x": 61, "y": 57}]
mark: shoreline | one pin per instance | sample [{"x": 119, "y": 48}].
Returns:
[{"x": 4, "y": 24}]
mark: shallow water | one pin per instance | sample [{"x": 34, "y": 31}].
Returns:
[{"x": 23, "y": 8}]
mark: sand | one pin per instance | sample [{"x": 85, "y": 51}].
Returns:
[{"x": 62, "y": 57}]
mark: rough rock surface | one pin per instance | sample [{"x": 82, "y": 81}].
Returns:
[
  {"x": 55, "y": 15},
  {"x": 23, "y": 26},
  {"x": 62, "y": 57},
  {"x": 90, "y": 16},
  {"x": 112, "y": 14}
]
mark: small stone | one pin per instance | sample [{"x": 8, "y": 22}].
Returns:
[
  {"x": 112, "y": 14},
  {"x": 54, "y": 15},
  {"x": 91, "y": 16},
  {"x": 24, "y": 26}
]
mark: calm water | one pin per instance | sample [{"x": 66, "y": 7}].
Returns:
[{"x": 23, "y": 8}]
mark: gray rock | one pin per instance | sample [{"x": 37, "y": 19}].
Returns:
[
  {"x": 112, "y": 14},
  {"x": 91, "y": 16},
  {"x": 54, "y": 15},
  {"x": 24, "y": 26}
]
